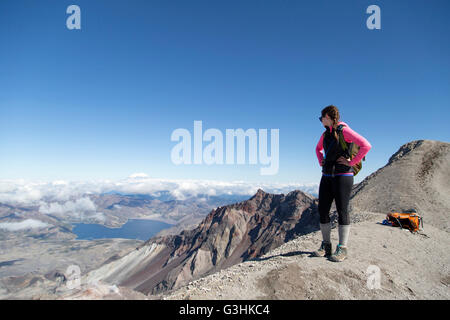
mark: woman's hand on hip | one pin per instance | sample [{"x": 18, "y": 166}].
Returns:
[{"x": 343, "y": 161}]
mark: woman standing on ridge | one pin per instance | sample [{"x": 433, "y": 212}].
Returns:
[{"x": 337, "y": 179}]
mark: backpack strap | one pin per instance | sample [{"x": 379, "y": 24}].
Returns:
[{"x": 342, "y": 141}]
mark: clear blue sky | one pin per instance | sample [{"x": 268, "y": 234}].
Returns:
[{"x": 102, "y": 102}]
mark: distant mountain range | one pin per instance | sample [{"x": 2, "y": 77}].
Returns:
[
  {"x": 55, "y": 206},
  {"x": 113, "y": 209}
]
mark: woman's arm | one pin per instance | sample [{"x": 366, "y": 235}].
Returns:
[
  {"x": 364, "y": 145},
  {"x": 319, "y": 148}
]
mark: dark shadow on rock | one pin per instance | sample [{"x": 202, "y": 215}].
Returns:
[
  {"x": 10, "y": 262},
  {"x": 288, "y": 254}
]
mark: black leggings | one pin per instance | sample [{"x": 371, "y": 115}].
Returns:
[{"x": 339, "y": 189}]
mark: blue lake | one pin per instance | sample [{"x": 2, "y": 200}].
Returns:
[{"x": 133, "y": 229}]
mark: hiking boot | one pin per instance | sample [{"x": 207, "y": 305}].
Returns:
[
  {"x": 324, "y": 251},
  {"x": 340, "y": 254}
]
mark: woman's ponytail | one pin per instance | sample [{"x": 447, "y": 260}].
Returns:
[{"x": 333, "y": 112}]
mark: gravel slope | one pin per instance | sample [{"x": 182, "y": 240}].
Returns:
[{"x": 412, "y": 266}]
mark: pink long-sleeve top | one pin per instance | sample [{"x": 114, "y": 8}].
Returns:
[{"x": 349, "y": 136}]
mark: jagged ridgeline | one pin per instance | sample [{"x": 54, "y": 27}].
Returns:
[{"x": 228, "y": 235}]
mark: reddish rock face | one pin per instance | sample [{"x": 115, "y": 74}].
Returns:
[{"x": 228, "y": 235}]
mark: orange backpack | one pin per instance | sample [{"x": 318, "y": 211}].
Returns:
[{"x": 410, "y": 220}]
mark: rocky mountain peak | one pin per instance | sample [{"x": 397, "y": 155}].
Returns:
[
  {"x": 227, "y": 235},
  {"x": 415, "y": 177},
  {"x": 405, "y": 150}
]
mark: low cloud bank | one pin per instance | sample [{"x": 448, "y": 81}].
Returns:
[
  {"x": 70, "y": 196},
  {"x": 23, "y": 225},
  {"x": 82, "y": 209}
]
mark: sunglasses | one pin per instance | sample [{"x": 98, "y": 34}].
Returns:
[{"x": 320, "y": 119}]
